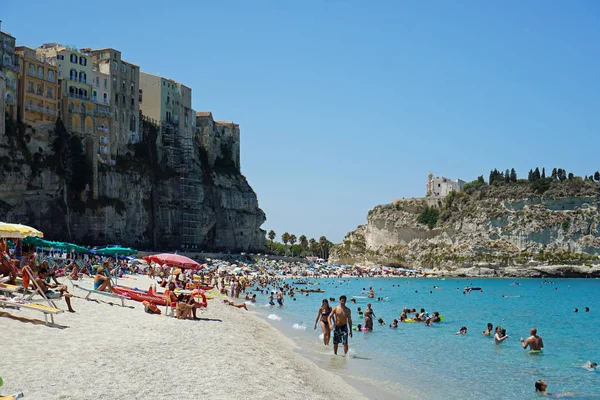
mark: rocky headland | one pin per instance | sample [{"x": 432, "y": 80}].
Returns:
[
  {"x": 545, "y": 228},
  {"x": 163, "y": 192}
]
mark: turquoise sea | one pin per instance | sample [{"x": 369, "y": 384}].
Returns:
[{"x": 417, "y": 361}]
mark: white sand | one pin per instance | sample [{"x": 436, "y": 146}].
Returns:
[{"x": 110, "y": 352}]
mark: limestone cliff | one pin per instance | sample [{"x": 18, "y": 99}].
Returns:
[
  {"x": 494, "y": 227},
  {"x": 165, "y": 192}
]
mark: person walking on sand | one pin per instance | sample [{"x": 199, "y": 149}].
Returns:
[
  {"x": 323, "y": 315},
  {"x": 340, "y": 321},
  {"x": 534, "y": 341}
]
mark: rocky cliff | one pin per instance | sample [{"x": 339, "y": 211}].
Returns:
[
  {"x": 499, "y": 230},
  {"x": 162, "y": 193}
]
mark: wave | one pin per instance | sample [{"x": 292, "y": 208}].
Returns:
[
  {"x": 274, "y": 317},
  {"x": 299, "y": 327}
]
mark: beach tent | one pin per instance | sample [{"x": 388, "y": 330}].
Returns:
[{"x": 18, "y": 231}]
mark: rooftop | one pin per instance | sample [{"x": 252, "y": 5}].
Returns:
[{"x": 203, "y": 114}]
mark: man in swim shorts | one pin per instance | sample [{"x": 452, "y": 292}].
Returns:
[
  {"x": 341, "y": 317},
  {"x": 534, "y": 341}
]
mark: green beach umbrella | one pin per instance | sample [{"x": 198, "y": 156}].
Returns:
[{"x": 121, "y": 251}]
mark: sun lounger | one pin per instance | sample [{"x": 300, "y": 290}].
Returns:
[
  {"x": 48, "y": 311},
  {"x": 108, "y": 294}
]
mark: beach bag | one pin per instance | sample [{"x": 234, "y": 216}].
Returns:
[{"x": 151, "y": 308}]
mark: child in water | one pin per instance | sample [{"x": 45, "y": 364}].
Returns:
[
  {"x": 271, "y": 302},
  {"x": 462, "y": 331},
  {"x": 394, "y": 324}
]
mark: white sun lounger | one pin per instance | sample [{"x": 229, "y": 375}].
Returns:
[
  {"x": 51, "y": 311},
  {"x": 108, "y": 294}
]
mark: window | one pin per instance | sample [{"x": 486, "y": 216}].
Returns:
[
  {"x": 49, "y": 93},
  {"x": 132, "y": 102},
  {"x": 51, "y": 76},
  {"x": 132, "y": 73},
  {"x": 115, "y": 65},
  {"x": 97, "y": 82},
  {"x": 163, "y": 83},
  {"x": 60, "y": 57},
  {"x": 30, "y": 89},
  {"x": 105, "y": 83},
  {"x": 114, "y": 83},
  {"x": 40, "y": 72},
  {"x": 82, "y": 77},
  {"x": 123, "y": 119},
  {"x": 40, "y": 89},
  {"x": 94, "y": 95},
  {"x": 83, "y": 108},
  {"x": 101, "y": 54},
  {"x": 73, "y": 58},
  {"x": 59, "y": 74},
  {"x": 124, "y": 68},
  {"x": 73, "y": 75},
  {"x": 141, "y": 92},
  {"x": 31, "y": 70},
  {"x": 124, "y": 101},
  {"x": 116, "y": 99},
  {"x": 116, "y": 116},
  {"x": 105, "y": 98},
  {"x": 123, "y": 85},
  {"x": 132, "y": 124},
  {"x": 132, "y": 88},
  {"x": 83, "y": 61}
]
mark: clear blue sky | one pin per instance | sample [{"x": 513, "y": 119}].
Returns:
[{"x": 344, "y": 105}]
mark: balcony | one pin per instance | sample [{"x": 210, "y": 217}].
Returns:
[
  {"x": 80, "y": 80},
  {"x": 101, "y": 110},
  {"x": 101, "y": 129},
  {"x": 42, "y": 110},
  {"x": 78, "y": 96},
  {"x": 11, "y": 84},
  {"x": 103, "y": 139}
]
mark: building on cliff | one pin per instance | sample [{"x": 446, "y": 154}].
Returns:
[
  {"x": 101, "y": 96},
  {"x": 220, "y": 139},
  {"x": 38, "y": 88},
  {"x": 440, "y": 186},
  {"x": 10, "y": 68},
  {"x": 125, "y": 103}
]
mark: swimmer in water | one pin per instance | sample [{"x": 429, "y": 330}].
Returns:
[
  {"x": 488, "y": 331},
  {"x": 462, "y": 331},
  {"x": 394, "y": 324},
  {"x": 541, "y": 385},
  {"x": 590, "y": 366},
  {"x": 534, "y": 341},
  {"x": 500, "y": 335}
]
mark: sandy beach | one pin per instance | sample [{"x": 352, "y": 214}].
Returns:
[{"x": 110, "y": 352}]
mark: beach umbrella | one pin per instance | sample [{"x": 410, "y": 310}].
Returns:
[
  {"x": 174, "y": 260},
  {"x": 18, "y": 231},
  {"x": 117, "y": 251}
]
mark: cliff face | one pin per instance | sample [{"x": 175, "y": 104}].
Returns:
[
  {"x": 160, "y": 194},
  {"x": 494, "y": 227}
]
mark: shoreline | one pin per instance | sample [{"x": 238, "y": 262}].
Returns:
[{"x": 231, "y": 354}]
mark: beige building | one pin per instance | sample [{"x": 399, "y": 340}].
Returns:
[
  {"x": 124, "y": 100},
  {"x": 74, "y": 73},
  {"x": 440, "y": 186},
  {"x": 101, "y": 95},
  {"x": 160, "y": 99},
  {"x": 38, "y": 88},
  {"x": 10, "y": 68}
]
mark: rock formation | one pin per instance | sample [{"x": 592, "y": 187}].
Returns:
[
  {"x": 499, "y": 228},
  {"x": 162, "y": 193}
]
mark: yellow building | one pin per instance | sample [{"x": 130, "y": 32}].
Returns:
[
  {"x": 38, "y": 88},
  {"x": 75, "y": 80}
]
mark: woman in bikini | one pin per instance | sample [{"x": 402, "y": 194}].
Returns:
[{"x": 323, "y": 315}]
